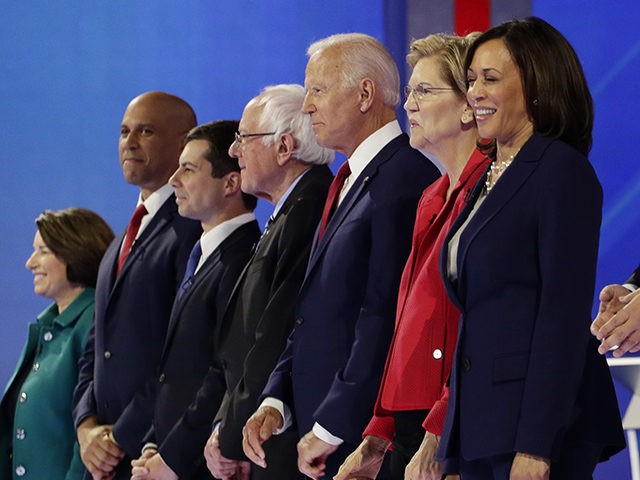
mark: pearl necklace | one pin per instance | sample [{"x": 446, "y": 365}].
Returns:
[{"x": 497, "y": 168}]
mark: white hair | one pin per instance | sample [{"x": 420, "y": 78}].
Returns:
[
  {"x": 282, "y": 113},
  {"x": 364, "y": 56}
]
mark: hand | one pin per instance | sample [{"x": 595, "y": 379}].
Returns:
[
  {"x": 138, "y": 465},
  {"x": 219, "y": 466},
  {"x": 154, "y": 467},
  {"x": 610, "y": 304},
  {"x": 529, "y": 467},
  {"x": 423, "y": 465},
  {"x": 365, "y": 461},
  {"x": 98, "y": 450},
  {"x": 623, "y": 328},
  {"x": 312, "y": 454},
  {"x": 258, "y": 430}
]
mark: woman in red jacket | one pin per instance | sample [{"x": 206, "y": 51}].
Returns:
[{"x": 412, "y": 395}]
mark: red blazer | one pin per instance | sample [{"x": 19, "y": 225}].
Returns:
[{"x": 421, "y": 352}]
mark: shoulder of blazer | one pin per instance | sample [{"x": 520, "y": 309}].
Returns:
[{"x": 313, "y": 186}]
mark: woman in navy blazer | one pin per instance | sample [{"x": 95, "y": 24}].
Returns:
[
  {"x": 530, "y": 397},
  {"x": 37, "y": 435}
]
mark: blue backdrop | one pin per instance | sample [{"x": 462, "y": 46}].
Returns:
[{"x": 68, "y": 69}]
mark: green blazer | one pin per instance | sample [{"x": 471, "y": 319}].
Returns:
[{"x": 43, "y": 436}]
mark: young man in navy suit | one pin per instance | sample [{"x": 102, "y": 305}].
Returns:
[
  {"x": 137, "y": 281},
  {"x": 207, "y": 187},
  {"x": 326, "y": 380}
]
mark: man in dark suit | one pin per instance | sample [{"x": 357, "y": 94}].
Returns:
[
  {"x": 282, "y": 163},
  {"x": 207, "y": 188},
  {"x": 617, "y": 324},
  {"x": 329, "y": 373},
  {"x": 137, "y": 281}
]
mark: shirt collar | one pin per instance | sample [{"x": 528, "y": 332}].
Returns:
[
  {"x": 284, "y": 197},
  {"x": 212, "y": 239},
  {"x": 371, "y": 146}
]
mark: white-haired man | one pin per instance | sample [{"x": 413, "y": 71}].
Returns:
[
  {"x": 327, "y": 378},
  {"x": 280, "y": 162}
]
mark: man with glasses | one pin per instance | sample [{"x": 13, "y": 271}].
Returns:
[{"x": 280, "y": 162}]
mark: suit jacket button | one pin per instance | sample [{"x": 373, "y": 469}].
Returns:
[
  {"x": 107, "y": 355},
  {"x": 20, "y": 433},
  {"x": 437, "y": 354},
  {"x": 466, "y": 364},
  {"x": 20, "y": 470},
  {"x": 162, "y": 377},
  {"x": 48, "y": 336},
  {"x": 23, "y": 397},
  {"x": 299, "y": 321}
]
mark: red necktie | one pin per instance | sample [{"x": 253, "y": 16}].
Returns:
[
  {"x": 132, "y": 231},
  {"x": 332, "y": 196}
]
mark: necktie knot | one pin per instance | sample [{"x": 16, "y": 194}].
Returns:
[
  {"x": 132, "y": 232},
  {"x": 192, "y": 265},
  {"x": 333, "y": 195}
]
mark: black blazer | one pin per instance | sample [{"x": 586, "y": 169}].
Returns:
[
  {"x": 182, "y": 423},
  {"x": 260, "y": 313},
  {"x": 117, "y": 372},
  {"x": 634, "y": 279}
]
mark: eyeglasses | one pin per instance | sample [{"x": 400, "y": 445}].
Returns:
[
  {"x": 240, "y": 137},
  {"x": 421, "y": 90}
]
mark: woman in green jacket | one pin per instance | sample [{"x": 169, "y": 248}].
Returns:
[{"x": 37, "y": 435}]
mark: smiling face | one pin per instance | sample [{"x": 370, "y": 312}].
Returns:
[
  {"x": 334, "y": 108},
  {"x": 199, "y": 196},
  {"x": 49, "y": 273},
  {"x": 496, "y": 94},
  {"x": 435, "y": 117},
  {"x": 151, "y": 136}
]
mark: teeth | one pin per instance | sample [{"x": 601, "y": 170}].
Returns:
[{"x": 485, "y": 111}]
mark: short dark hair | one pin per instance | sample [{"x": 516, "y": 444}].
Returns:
[
  {"x": 220, "y": 135},
  {"x": 79, "y": 238},
  {"x": 556, "y": 93}
]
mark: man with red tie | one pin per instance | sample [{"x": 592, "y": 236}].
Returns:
[
  {"x": 137, "y": 281},
  {"x": 326, "y": 380}
]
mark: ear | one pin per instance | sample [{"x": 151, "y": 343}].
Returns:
[
  {"x": 367, "y": 89},
  {"x": 286, "y": 146},
  {"x": 467, "y": 115},
  {"x": 232, "y": 183}
]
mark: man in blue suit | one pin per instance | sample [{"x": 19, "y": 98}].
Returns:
[
  {"x": 207, "y": 187},
  {"x": 327, "y": 378},
  {"x": 137, "y": 281}
]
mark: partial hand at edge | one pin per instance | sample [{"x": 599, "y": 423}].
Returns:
[
  {"x": 258, "y": 429},
  {"x": 365, "y": 461}
]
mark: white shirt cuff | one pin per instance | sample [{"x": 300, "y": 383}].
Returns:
[
  {"x": 324, "y": 435},
  {"x": 630, "y": 286},
  {"x": 285, "y": 413},
  {"x": 149, "y": 445}
]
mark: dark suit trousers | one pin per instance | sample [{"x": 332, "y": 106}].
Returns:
[
  {"x": 406, "y": 440},
  {"x": 280, "y": 465}
]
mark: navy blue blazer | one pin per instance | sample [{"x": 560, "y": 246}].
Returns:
[
  {"x": 183, "y": 414},
  {"x": 526, "y": 375},
  {"x": 331, "y": 368},
  {"x": 117, "y": 371}
]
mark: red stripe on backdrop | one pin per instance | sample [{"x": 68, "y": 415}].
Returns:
[{"x": 471, "y": 15}]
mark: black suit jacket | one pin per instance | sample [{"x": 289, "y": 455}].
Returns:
[
  {"x": 634, "y": 279},
  {"x": 117, "y": 371},
  {"x": 181, "y": 423},
  {"x": 260, "y": 313}
]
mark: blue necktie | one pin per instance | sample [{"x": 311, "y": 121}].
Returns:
[{"x": 192, "y": 263}]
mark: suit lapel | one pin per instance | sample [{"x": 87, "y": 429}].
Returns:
[
  {"x": 360, "y": 187},
  {"x": 507, "y": 186}
]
